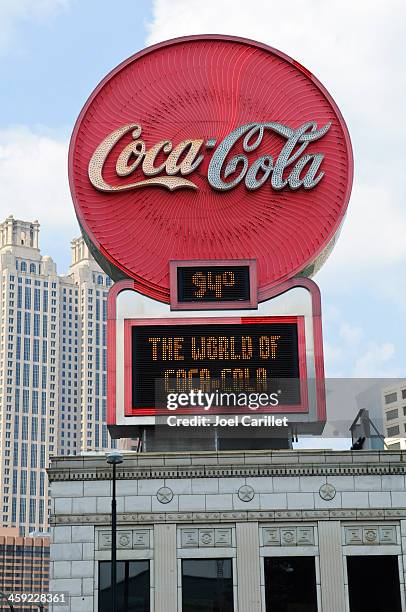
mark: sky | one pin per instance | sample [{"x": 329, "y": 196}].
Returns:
[{"x": 54, "y": 52}]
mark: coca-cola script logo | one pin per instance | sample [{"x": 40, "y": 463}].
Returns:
[
  {"x": 210, "y": 148},
  {"x": 187, "y": 156}
]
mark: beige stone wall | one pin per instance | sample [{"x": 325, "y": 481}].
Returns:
[{"x": 244, "y": 506}]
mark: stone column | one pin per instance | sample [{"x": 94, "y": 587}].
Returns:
[
  {"x": 248, "y": 567},
  {"x": 165, "y": 568},
  {"x": 331, "y": 567}
]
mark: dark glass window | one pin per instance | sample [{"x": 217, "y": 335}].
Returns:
[
  {"x": 290, "y": 584},
  {"x": 207, "y": 585},
  {"x": 373, "y": 583},
  {"x": 133, "y": 586},
  {"x": 393, "y": 431}
]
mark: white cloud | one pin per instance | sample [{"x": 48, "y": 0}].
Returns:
[
  {"x": 356, "y": 50},
  {"x": 376, "y": 362},
  {"x": 34, "y": 181},
  {"x": 351, "y": 352},
  {"x": 15, "y": 12},
  {"x": 351, "y": 335},
  {"x": 373, "y": 234}
]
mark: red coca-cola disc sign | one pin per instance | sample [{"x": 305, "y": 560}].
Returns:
[{"x": 210, "y": 148}]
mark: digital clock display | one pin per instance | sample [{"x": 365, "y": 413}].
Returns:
[
  {"x": 252, "y": 356},
  {"x": 213, "y": 283}
]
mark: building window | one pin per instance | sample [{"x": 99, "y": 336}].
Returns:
[
  {"x": 27, "y": 298},
  {"x": 34, "y": 428},
  {"x": 26, "y": 400},
  {"x": 395, "y": 446},
  {"x": 373, "y": 583},
  {"x": 33, "y": 505},
  {"x": 290, "y": 584},
  {"x": 24, "y": 454},
  {"x": 35, "y": 402},
  {"x": 42, "y": 459},
  {"x": 45, "y": 326},
  {"x": 24, "y": 433},
  {"x": 36, "y": 299},
  {"x": 27, "y": 349},
  {"x": 133, "y": 586},
  {"x": 392, "y": 414},
  {"x": 32, "y": 268},
  {"x": 207, "y": 584},
  {"x": 23, "y": 266},
  {"x": 41, "y": 512},
  {"x": 35, "y": 350},
  {"x": 33, "y": 457},
  {"x": 391, "y": 397},
  {"x": 35, "y": 376},
  {"x": 15, "y": 478},
  {"x": 26, "y": 375},
  {"x": 23, "y": 482},
  {"x": 36, "y": 324},
  {"x": 403, "y": 393},
  {"x": 44, "y": 351},
  {"x": 393, "y": 431},
  {"x": 27, "y": 323},
  {"x": 44, "y": 377}
]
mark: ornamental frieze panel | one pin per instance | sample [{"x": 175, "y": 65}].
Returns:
[
  {"x": 127, "y": 539},
  {"x": 144, "y": 518},
  {"x": 288, "y": 536},
  {"x": 361, "y": 535},
  {"x": 207, "y": 537}
]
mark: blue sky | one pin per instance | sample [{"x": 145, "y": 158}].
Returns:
[
  {"x": 54, "y": 52},
  {"x": 56, "y": 60}
]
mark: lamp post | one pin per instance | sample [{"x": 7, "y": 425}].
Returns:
[{"x": 113, "y": 458}]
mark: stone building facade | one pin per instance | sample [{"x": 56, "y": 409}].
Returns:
[{"x": 246, "y": 507}]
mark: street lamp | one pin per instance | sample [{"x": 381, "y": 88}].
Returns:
[{"x": 113, "y": 458}]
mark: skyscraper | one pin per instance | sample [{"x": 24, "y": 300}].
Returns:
[{"x": 52, "y": 367}]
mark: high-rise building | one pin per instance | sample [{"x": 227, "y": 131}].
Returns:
[
  {"x": 24, "y": 562},
  {"x": 394, "y": 414},
  {"x": 83, "y": 354},
  {"x": 52, "y": 367}
]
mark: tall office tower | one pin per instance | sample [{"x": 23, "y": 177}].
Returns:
[
  {"x": 83, "y": 363},
  {"x": 52, "y": 368},
  {"x": 29, "y": 346}
]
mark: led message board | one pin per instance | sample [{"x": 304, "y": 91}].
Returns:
[
  {"x": 234, "y": 355},
  {"x": 199, "y": 284}
]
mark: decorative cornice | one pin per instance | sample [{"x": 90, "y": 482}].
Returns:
[
  {"x": 228, "y": 471},
  {"x": 151, "y": 518}
]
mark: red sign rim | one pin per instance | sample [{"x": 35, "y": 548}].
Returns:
[{"x": 144, "y": 286}]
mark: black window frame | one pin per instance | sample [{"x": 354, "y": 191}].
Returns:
[
  {"x": 228, "y": 559},
  {"x": 104, "y": 605}
]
